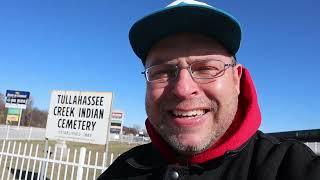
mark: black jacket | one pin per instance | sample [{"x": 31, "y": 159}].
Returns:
[{"x": 262, "y": 157}]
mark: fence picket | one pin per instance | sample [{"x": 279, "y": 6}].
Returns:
[
  {"x": 24, "y": 155},
  {"x": 17, "y": 162},
  {"x": 35, "y": 162},
  {"x": 95, "y": 164},
  {"x": 82, "y": 156},
  {"x": 54, "y": 158},
  {"x": 2, "y": 149},
  {"x": 74, "y": 162},
  {"x": 28, "y": 163},
  {"x": 111, "y": 158},
  {"x": 5, "y": 161},
  {"x": 47, "y": 163},
  {"x": 11, "y": 159},
  {"x": 66, "y": 167},
  {"x": 59, "y": 166},
  {"x": 89, "y": 157},
  {"x": 103, "y": 162}
]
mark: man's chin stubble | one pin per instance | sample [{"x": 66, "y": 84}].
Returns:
[{"x": 171, "y": 135}]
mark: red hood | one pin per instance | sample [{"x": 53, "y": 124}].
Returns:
[{"x": 245, "y": 125}]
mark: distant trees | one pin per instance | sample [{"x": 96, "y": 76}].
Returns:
[
  {"x": 38, "y": 118},
  {"x": 134, "y": 130},
  {"x": 2, "y": 109},
  {"x": 27, "y": 113},
  {"x": 129, "y": 130}
]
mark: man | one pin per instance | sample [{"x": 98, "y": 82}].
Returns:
[{"x": 203, "y": 113}]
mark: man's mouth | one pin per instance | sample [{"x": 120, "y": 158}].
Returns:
[{"x": 188, "y": 114}]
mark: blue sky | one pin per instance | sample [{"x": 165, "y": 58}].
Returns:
[{"x": 83, "y": 45}]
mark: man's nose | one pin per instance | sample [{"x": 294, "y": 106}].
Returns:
[{"x": 184, "y": 86}]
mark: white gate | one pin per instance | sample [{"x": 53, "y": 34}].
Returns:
[{"x": 29, "y": 162}]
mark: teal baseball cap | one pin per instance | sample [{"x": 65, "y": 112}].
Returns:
[{"x": 185, "y": 16}]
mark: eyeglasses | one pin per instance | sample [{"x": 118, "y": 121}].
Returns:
[{"x": 201, "y": 71}]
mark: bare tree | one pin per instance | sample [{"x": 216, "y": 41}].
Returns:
[
  {"x": 39, "y": 118},
  {"x": 2, "y": 109},
  {"x": 26, "y": 116},
  {"x": 129, "y": 130}
]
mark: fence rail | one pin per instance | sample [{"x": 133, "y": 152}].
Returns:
[
  {"x": 21, "y": 133},
  {"x": 31, "y": 133},
  {"x": 314, "y": 146},
  {"x": 25, "y": 160},
  {"x": 29, "y": 162}
]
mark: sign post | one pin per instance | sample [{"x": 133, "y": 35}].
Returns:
[{"x": 19, "y": 118}]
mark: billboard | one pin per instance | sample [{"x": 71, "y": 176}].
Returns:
[
  {"x": 17, "y": 99},
  {"x": 79, "y": 116}
]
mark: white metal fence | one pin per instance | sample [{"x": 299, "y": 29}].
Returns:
[
  {"x": 30, "y": 133},
  {"x": 29, "y": 162},
  {"x": 24, "y": 160},
  {"x": 21, "y": 133},
  {"x": 315, "y": 146}
]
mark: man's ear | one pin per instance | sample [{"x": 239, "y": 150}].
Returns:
[{"x": 237, "y": 73}]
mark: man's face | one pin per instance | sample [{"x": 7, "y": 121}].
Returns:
[{"x": 191, "y": 116}]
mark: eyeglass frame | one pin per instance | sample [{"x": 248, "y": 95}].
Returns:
[{"x": 178, "y": 69}]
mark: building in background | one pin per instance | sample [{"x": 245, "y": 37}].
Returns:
[
  {"x": 116, "y": 122},
  {"x": 309, "y": 135}
]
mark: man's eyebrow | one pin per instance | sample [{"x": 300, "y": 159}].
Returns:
[
  {"x": 200, "y": 58},
  {"x": 208, "y": 57},
  {"x": 158, "y": 61}
]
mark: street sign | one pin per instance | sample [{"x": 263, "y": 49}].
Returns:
[
  {"x": 79, "y": 116},
  {"x": 17, "y": 99},
  {"x": 13, "y": 114}
]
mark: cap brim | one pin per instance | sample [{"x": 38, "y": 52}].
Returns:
[{"x": 198, "y": 19}]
